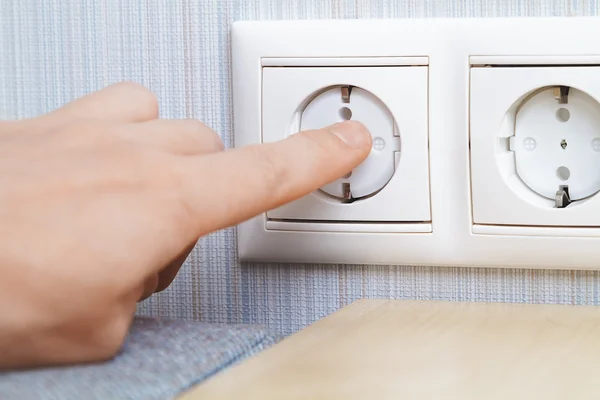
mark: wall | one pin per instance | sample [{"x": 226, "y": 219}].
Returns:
[{"x": 52, "y": 51}]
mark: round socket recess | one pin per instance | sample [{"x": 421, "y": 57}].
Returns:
[
  {"x": 343, "y": 103},
  {"x": 557, "y": 143}
]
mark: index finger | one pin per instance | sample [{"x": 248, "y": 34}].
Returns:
[{"x": 231, "y": 187}]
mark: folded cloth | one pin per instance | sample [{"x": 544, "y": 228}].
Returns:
[{"x": 160, "y": 360}]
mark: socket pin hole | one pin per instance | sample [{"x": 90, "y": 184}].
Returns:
[
  {"x": 563, "y": 115},
  {"x": 345, "y": 113},
  {"x": 563, "y": 173}
]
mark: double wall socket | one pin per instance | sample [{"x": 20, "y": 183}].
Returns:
[{"x": 486, "y": 139}]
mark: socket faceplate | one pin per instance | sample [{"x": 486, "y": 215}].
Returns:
[
  {"x": 286, "y": 104},
  {"x": 517, "y": 140}
]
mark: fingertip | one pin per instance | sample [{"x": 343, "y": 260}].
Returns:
[{"x": 352, "y": 133}]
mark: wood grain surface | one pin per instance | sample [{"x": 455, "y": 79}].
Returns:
[{"x": 393, "y": 349}]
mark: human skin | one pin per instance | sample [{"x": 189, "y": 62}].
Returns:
[{"x": 101, "y": 202}]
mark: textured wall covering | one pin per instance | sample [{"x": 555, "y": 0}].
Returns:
[{"x": 52, "y": 51}]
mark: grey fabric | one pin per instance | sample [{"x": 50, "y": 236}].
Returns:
[{"x": 160, "y": 359}]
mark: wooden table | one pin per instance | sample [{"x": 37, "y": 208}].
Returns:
[{"x": 391, "y": 349}]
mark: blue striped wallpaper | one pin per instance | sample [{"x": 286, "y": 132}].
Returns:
[{"x": 52, "y": 51}]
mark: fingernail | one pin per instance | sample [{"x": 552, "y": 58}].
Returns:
[{"x": 353, "y": 133}]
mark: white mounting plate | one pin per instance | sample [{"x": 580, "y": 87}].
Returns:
[
  {"x": 450, "y": 48},
  {"x": 284, "y": 90},
  {"x": 509, "y": 201}
]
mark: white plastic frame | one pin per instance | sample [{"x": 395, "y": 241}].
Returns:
[
  {"x": 450, "y": 46},
  {"x": 285, "y": 89},
  {"x": 499, "y": 196}
]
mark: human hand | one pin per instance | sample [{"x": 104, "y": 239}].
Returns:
[{"x": 101, "y": 202}]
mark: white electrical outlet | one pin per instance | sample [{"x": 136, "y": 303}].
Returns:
[
  {"x": 295, "y": 98},
  {"x": 541, "y": 144},
  {"x": 486, "y": 146}
]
